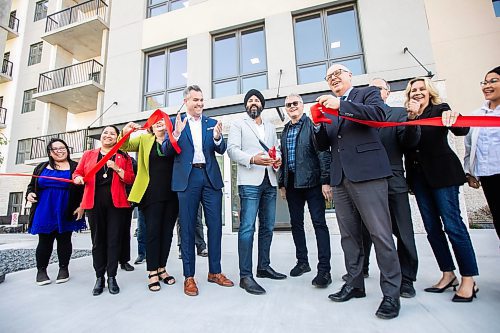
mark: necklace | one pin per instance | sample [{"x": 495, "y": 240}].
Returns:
[{"x": 105, "y": 175}]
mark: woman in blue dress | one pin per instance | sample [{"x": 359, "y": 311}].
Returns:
[{"x": 55, "y": 210}]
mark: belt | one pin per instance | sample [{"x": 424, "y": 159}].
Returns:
[{"x": 199, "y": 165}]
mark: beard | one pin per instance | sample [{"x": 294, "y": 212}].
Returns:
[{"x": 254, "y": 111}]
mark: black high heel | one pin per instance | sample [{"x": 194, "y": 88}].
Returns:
[
  {"x": 154, "y": 286},
  {"x": 453, "y": 283},
  {"x": 170, "y": 280},
  {"x": 460, "y": 299}
]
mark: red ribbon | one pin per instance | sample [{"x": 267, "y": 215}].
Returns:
[
  {"x": 462, "y": 121},
  {"x": 30, "y": 175}
]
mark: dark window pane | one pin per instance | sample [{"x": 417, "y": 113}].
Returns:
[
  {"x": 175, "y": 98},
  {"x": 155, "y": 102},
  {"x": 177, "y": 68},
  {"x": 309, "y": 44},
  {"x": 254, "y": 82},
  {"x": 253, "y": 52},
  {"x": 343, "y": 37},
  {"x": 156, "y": 72},
  {"x": 355, "y": 65},
  {"x": 228, "y": 88},
  {"x": 312, "y": 74},
  {"x": 225, "y": 57},
  {"x": 158, "y": 10}
]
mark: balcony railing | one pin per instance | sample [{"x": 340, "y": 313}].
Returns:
[
  {"x": 78, "y": 142},
  {"x": 3, "y": 115},
  {"x": 76, "y": 13},
  {"x": 66, "y": 76},
  {"x": 7, "y": 67},
  {"x": 14, "y": 23}
]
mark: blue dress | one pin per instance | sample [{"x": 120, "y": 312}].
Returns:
[{"x": 52, "y": 199}]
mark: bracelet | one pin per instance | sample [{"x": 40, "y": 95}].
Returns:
[
  {"x": 252, "y": 160},
  {"x": 119, "y": 170}
]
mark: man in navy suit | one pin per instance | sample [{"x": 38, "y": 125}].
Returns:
[
  {"x": 197, "y": 178},
  {"x": 358, "y": 173}
]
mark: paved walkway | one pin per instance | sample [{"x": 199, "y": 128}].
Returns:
[{"x": 292, "y": 305}]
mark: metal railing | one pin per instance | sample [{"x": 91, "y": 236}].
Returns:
[
  {"x": 76, "y": 13},
  {"x": 14, "y": 23},
  {"x": 3, "y": 115},
  {"x": 69, "y": 75},
  {"x": 7, "y": 67},
  {"x": 78, "y": 142}
]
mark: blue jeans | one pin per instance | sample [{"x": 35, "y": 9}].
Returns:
[
  {"x": 440, "y": 207},
  {"x": 262, "y": 200},
  {"x": 141, "y": 234}
]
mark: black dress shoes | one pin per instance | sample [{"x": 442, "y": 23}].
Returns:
[
  {"x": 322, "y": 280},
  {"x": 98, "y": 287},
  {"x": 346, "y": 293},
  {"x": 127, "y": 267},
  {"x": 407, "y": 290},
  {"x": 113, "y": 286},
  {"x": 300, "y": 268},
  {"x": 270, "y": 274},
  {"x": 389, "y": 308},
  {"x": 251, "y": 286}
]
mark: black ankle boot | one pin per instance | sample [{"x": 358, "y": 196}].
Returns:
[
  {"x": 113, "y": 286},
  {"x": 98, "y": 287}
]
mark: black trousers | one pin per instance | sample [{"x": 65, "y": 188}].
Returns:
[
  {"x": 45, "y": 245},
  {"x": 491, "y": 186},
  {"x": 125, "y": 250},
  {"x": 106, "y": 229},
  {"x": 402, "y": 228},
  {"x": 160, "y": 220}
]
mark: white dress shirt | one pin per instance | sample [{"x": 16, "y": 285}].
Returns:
[
  {"x": 195, "y": 127},
  {"x": 488, "y": 145}
]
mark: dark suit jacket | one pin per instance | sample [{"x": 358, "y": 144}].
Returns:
[
  {"x": 433, "y": 156},
  {"x": 396, "y": 140},
  {"x": 356, "y": 149},
  {"x": 183, "y": 161}
]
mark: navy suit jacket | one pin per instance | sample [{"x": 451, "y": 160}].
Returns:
[
  {"x": 356, "y": 149},
  {"x": 183, "y": 162}
]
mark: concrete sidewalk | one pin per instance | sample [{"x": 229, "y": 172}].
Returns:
[{"x": 292, "y": 305}]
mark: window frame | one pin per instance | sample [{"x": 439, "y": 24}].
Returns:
[
  {"x": 238, "y": 33},
  {"x": 25, "y": 153},
  {"x": 12, "y": 205},
  {"x": 167, "y": 90},
  {"x": 29, "y": 105},
  {"x": 165, "y": 3},
  {"x": 41, "y": 10},
  {"x": 35, "y": 53},
  {"x": 328, "y": 60}
]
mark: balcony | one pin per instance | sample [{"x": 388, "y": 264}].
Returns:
[
  {"x": 3, "y": 117},
  {"x": 73, "y": 87},
  {"x": 78, "y": 29},
  {"x": 13, "y": 27},
  {"x": 6, "y": 72},
  {"x": 78, "y": 141}
]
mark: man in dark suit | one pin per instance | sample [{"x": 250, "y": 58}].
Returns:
[
  {"x": 197, "y": 178},
  {"x": 358, "y": 175}
]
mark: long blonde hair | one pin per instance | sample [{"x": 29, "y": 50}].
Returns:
[{"x": 429, "y": 86}]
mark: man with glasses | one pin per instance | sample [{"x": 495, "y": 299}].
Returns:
[
  {"x": 249, "y": 142},
  {"x": 358, "y": 175},
  {"x": 305, "y": 177}
]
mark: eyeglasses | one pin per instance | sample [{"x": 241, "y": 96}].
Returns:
[
  {"x": 490, "y": 82},
  {"x": 62, "y": 149},
  {"x": 336, "y": 73},
  {"x": 294, "y": 103}
]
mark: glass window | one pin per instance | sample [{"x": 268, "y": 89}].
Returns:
[
  {"x": 239, "y": 62},
  {"x": 29, "y": 101},
  {"x": 15, "y": 203},
  {"x": 41, "y": 10},
  {"x": 496, "y": 7},
  {"x": 166, "y": 77},
  {"x": 35, "y": 54},
  {"x": 157, "y": 7},
  {"x": 327, "y": 37},
  {"x": 23, "y": 151}
]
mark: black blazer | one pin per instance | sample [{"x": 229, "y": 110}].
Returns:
[
  {"x": 356, "y": 149},
  {"x": 433, "y": 156},
  {"x": 75, "y": 192}
]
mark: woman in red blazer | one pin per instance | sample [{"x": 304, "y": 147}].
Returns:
[{"x": 105, "y": 200}]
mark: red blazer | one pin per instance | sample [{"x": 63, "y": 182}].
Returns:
[{"x": 118, "y": 193}]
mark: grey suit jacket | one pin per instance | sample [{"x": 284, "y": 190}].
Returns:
[{"x": 243, "y": 143}]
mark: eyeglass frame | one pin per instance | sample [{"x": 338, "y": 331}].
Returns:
[
  {"x": 294, "y": 103},
  {"x": 60, "y": 149},
  {"x": 338, "y": 71},
  {"x": 490, "y": 82}
]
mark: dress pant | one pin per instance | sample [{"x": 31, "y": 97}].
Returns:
[
  {"x": 199, "y": 189},
  {"x": 141, "y": 234},
  {"x": 256, "y": 200},
  {"x": 491, "y": 186},
  {"x": 46, "y": 244},
  {"x": 296, "y": 199},
  {"x": 125, "y": 252},
  {"x": 106, "y": 229},
  {"x": 199, "y": 237},
  {"x": 367, "y": 202},
  {"x": 160, "y": 220}
]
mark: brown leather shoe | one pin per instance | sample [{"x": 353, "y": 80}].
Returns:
[
  {"x": 220, "y": 279},
  {"x": 190, "y": 287}
]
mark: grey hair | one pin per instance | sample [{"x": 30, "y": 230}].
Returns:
[
  {"x": 294, "y": 95},
  {"x": 385, "y": 81},
  {"x": 188, "y": 89}
]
